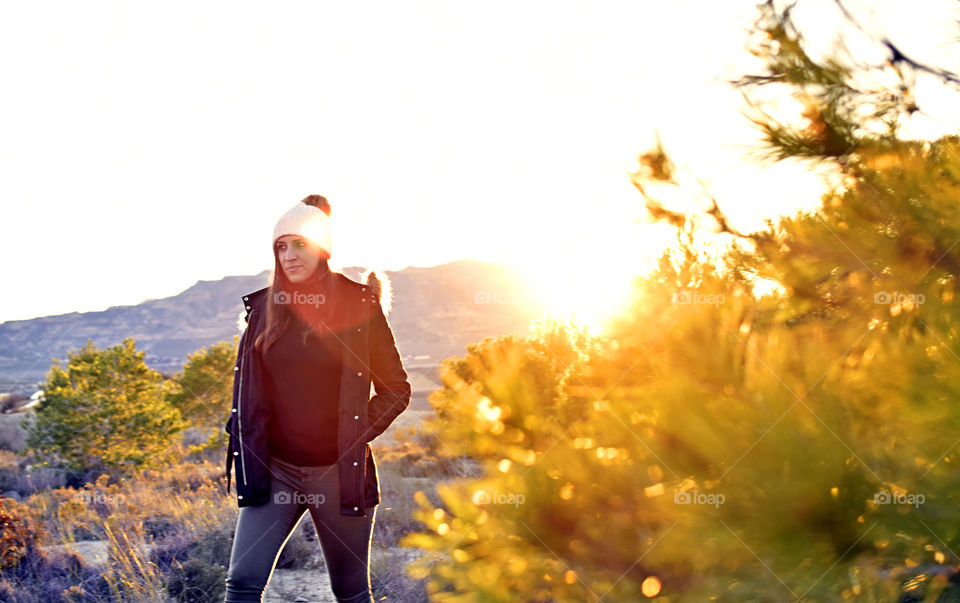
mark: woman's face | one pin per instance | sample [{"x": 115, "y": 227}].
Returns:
[{"x": 299, "y": 257}]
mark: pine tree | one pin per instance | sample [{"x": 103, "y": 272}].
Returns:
[
  {"x": 720, "y": 444},
  {"x": 104, "y": 410},
  {"x": 203, "y": 390}
]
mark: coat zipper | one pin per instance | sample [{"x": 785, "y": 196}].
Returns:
[
  {"x": 243, "y": 465},
  {"x": 361, "y": 482}
]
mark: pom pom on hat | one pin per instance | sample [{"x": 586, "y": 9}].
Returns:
[{"x": 310, "y": 219}]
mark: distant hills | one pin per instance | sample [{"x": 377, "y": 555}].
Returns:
[{"x": 436, "y": 312}]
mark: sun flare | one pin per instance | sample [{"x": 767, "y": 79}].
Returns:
[
  {"x": 583, "y": 291},
  {"x": 589, "y": 271}
]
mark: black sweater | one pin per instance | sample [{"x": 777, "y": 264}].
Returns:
[{"x": 303, "y": 387}]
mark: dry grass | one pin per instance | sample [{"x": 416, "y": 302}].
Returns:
[
  {"x": 170, "y": 508},
  {"x": 170, "y": 531}
]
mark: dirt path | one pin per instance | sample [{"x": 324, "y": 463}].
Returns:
[{"x": 300, "y": 586}]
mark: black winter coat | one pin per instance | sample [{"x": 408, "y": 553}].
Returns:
[{"x": 369, "y": 356}]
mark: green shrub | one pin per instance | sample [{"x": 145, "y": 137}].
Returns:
[{"x": 105, "y": 410}]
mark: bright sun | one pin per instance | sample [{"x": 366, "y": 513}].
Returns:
[
  {"x": 584, "y": 269},
  {"x": 583, "y": 290}
]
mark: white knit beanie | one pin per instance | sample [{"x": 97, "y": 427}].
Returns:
[{"x": 306, "y": 221}]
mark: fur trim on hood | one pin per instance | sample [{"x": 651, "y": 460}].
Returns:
[
  {"x": 379, "y": 282},
  {"x": 375, "y": 278}
]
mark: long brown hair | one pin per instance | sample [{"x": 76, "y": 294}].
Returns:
[{"x": 280, "y": 315}]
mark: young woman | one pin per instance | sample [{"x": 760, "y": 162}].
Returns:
[{"x": 303, "y": 415}]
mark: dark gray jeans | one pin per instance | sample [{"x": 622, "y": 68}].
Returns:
[{"x": 262, "y": 530}]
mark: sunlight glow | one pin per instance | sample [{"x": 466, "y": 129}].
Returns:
[
  {"x": 651, "y": 587},
  {"x": 318, "y": 231},
  {"x": 764, "y": 286},
  {"x": 583, "y": 290}
]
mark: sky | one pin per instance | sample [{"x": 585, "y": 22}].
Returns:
[{"x": 147, "y": 145}]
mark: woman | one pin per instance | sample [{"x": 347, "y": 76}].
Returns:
[{"x": 303, "y": 416}]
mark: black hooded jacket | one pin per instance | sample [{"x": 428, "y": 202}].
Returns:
[{"x": 369, "y": 355}]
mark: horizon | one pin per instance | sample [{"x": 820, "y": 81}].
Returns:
[{"x": 226, "y": 276}]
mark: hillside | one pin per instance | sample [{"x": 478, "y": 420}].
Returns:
[{"x": 436, "y": 312}]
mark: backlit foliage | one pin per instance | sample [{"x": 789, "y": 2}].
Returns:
[{"x": 721, "y": 444}]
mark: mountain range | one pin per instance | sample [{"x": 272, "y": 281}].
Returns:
[{"x": 436, "y": 311}]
